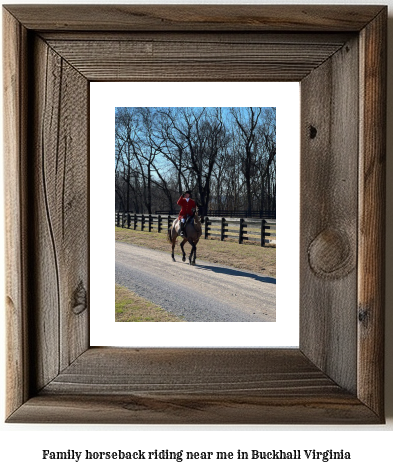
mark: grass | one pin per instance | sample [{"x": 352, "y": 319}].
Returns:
[
  {"x": 246, "y": 256},
  {"x": 132, "y": 308}
]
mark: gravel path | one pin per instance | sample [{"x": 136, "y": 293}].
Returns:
[{"x": 203, "y": 293}]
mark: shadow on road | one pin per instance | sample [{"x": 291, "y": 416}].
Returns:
[{"x": 230, "y": 271}]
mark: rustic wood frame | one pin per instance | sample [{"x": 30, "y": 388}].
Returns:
[{"x": 338, "y": 53}]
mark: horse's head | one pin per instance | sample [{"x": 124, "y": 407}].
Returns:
[
  {"x": 199, "y": 214},
  {"x": 199, "y": 211}
]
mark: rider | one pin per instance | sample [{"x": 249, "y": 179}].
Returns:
[{"x": 187, "y": 207}]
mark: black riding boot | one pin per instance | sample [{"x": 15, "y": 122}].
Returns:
[{"x": 182, "y": 228}]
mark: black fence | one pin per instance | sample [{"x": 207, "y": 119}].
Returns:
[{"x": 261, "y": 231}]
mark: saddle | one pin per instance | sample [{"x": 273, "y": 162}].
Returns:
[{"x": 189, "y": 219}]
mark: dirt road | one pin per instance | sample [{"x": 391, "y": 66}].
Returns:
[{"x": 206, "y": 292}]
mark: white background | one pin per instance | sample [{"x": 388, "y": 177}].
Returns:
[
  {"x": 104, "y": 97},
  {"x": 370, "y": 446}
]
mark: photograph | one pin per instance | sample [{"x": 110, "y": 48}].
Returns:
[
  {"x": 195, "y": 214},
  {"x": 237, "y": 164}
]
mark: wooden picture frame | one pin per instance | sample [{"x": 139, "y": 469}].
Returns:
[{"x": 338, "y": 54}]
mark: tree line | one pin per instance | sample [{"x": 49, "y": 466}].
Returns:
[{"x": 225, "y": 155}]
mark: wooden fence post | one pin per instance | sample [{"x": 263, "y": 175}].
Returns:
[
  {"x": 159, "y": 224},
  {"x": 135, "y": 221},
  {"x": 241, "y": 230},
  {"x": 149, "y": 225},
  {"x": 128, "y": 220},
  {"x": 263, "y": 232},
  {"x": 143, "y": 222},
  {"x": 118, "y": 219},
  {"x": 222, "y": 229},
  {"x": 206, "y": 227}
]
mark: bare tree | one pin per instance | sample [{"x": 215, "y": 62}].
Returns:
[
  {"x": 226, "y": 156},
  {"x": 247, "y": 120},
  {"x": 267, "y": 160},
  {"x": 125, "y": 129},
  {"x": 198, "y": 134}
]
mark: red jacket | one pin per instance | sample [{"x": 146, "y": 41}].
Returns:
[{"x": 186, "y": 207}]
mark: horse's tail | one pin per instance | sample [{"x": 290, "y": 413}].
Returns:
[{"x": 169, "y": 235}]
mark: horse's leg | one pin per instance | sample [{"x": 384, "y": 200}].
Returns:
[
  {"x": 173, "y": 249},
  {"x": 193, "y": 248},
  {"x": 182, "y": 249},
  {"x": 173, "y": 240},
  {"x": 194, "y": 253},
  {"x": 189, "y": 257}
]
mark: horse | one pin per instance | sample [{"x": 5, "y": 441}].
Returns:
[{"x": 193, "y": 232}]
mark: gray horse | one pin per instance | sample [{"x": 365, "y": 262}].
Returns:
[{"x": 193, "y": 233}]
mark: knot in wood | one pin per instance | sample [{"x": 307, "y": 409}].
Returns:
[
  {"x": 364, "y": 316},
  {"x": 80, "y": 299},
  {"x": 330, "y": 254},
  {"x": 313, "y": 132}
]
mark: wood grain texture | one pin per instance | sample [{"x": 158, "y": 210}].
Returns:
[
  {"x": 52, "y": 374},
  {"x": 195, "y": 17},
  {"x": 14, "y": 73},
  {"x": 201, "y": 37},
  {"x": 329, "y": 168},
  {"x": 372, "y": 189},
  {"x": 187, "y": 59},
  {"x": 195, "y": 386},
  {"x": 190, "y": 371},
  {"x": 196, "y": 409},
  {"x": 59, "y": 108}
]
